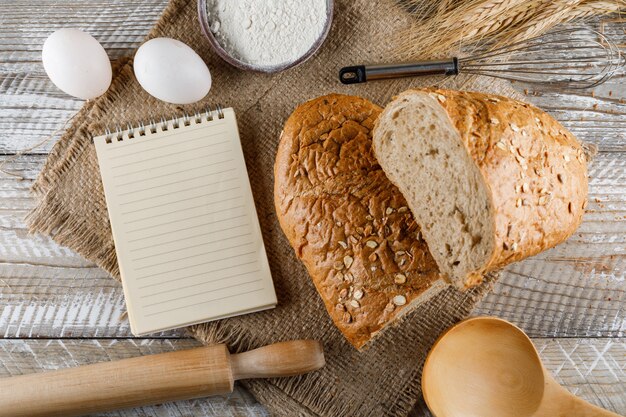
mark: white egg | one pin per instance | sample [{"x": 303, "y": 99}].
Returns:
[
  {"x": 171, "y": 71},
  {"x": 76, "y": 63}
]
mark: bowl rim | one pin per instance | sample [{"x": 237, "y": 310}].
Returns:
[{"x": 222, "y": 53}]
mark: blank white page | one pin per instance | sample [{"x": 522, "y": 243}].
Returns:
[{"x": 186, "y": 232}]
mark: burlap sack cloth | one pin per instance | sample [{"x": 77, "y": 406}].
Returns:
[{"x": 384, "y": 380}]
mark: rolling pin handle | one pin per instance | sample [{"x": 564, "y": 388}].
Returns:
[
  {"x": 353, "y": 75},
  {"x": 282, "y": 359}
]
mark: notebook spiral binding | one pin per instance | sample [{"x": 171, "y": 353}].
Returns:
[{"x": 141, "y": 129}]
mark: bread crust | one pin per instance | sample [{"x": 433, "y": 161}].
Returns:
[
  {"x": 345, "y": 220},
  {"x": 535, "y": 169}
]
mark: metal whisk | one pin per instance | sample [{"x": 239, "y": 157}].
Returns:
[{"x": 566, "y": 58}]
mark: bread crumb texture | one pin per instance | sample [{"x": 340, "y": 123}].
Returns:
[
  {"x": 533, "y": 169},
  {"x": 347, "y": 223},
  {"x": 536, "y": 170}
]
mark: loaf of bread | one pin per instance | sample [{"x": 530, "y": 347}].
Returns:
[
  {"x": 490, "y": 180},
  {"x": 348, "y": 224}
]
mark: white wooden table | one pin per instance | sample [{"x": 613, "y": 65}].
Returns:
[{"x": 58, "y": 310}]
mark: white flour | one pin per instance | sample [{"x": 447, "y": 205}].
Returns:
[{"x": 267, "y": 33}]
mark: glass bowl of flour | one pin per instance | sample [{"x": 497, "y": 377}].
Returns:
[{"x": 265, "y": 35}]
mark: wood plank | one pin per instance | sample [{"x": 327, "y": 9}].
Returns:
[
  {"x": 596, "y": 116},
  {"x": 593, "y": 115},
  {"x": 576, "y": 289},
  {"x": 19, "y": 357},
  {"x": 119, "y": 26},
  {"x": 593, "y": 369},
  {"x": 32, "y": 108}
]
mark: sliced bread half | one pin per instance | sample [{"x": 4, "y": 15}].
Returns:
[{"x": 490, "y": 180}]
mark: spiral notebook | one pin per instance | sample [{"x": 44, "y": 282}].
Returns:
[{"x": 186, "y": 232}]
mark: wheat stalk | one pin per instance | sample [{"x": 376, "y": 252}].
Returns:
[
  {"x": 556, "y": 13},
  {"x": 590, "y": 8},
  {"x": 445, "y": 27},
  {"x": 468, "y": 22},
  {"x": 559, "y": 12}
]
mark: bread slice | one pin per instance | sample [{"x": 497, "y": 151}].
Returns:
[
  {"x": 489, "y": 179},
  {"x": 348, "y": 224}
]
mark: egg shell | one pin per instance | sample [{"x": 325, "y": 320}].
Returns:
[
  {"x": 171, "y": 71},
  {"x": 76, "y": 63}
]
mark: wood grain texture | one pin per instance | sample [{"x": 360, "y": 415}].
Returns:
[
  {"x": 31, "y": 107},
  {"x": 18, "y": 357},
  {"x": 594, "y": 369},
  {"x": 596, "y": 116}
]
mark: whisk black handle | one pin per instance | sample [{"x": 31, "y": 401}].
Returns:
[{"x": 363, "y": 73}]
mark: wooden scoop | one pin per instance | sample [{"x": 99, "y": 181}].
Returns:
[
  {"x": 487, "y": 367},
  {"x": 152, "y": 379}
]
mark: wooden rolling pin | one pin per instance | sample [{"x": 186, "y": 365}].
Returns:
[{"x": 152, "y": 379}]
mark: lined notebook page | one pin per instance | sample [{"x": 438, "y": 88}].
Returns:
[{"x": 186, "y": 233}]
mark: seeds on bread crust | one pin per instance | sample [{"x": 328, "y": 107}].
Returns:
[
  {"x": 344, "y": 201},
  {"x": 399, "y": 300},
  {"x": 347, "y": 318}
]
